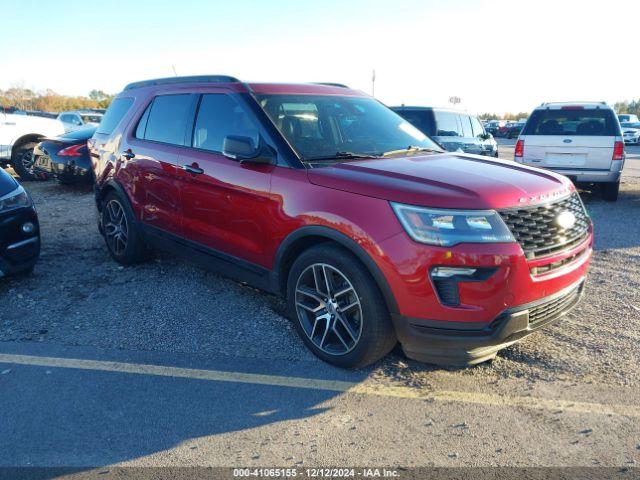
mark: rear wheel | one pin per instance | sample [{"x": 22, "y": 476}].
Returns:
[
  {"x": 121, "y": 232},
  {"x": 338, "y": 309},
  {"x": 610, "y": 191},
  {"x": 22, "y": 161}
]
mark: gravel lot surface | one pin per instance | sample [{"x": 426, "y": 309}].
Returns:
[{"x": 544, "y": 402}]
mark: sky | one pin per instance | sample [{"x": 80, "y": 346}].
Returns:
[{"x": 496, "y": 56}]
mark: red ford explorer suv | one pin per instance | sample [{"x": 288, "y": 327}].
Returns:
[{"x": 323, "y": 195}]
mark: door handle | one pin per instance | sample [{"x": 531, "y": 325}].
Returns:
[
  {"x": 128, "y": 154},
  {"x": 193, "y": 169}
]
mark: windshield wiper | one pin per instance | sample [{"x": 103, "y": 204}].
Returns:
[
  {"x": 341, "y": 156},
  {"x": 411, "y": 149}
]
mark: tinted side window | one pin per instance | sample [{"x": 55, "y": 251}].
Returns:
[
  {"x": 220, "y": 115},
  {"x": 421, "y": 119},
  {"x": 142, "y": 124},
  {"x": 477, "y": 127},
  {"x": 447, "y": 124},
  {"x": 168, "y": 119},
  {"x": 466, "y": 126},
  {"x": 116, "y": 111}
]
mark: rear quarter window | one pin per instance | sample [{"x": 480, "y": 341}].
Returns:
[
  {"x": 116, "y": 111},
  {"x": 582, "y": 122}
]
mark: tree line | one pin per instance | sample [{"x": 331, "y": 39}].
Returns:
[
  {"x": 625, "y": 106},
  {"x": 50, "y": 101}
]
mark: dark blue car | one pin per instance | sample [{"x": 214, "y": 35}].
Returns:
[
  {"x": 65, "y": 157},
  {"x": 19, "y": 228}
]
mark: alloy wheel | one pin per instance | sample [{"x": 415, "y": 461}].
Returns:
[
  {"x": 27, "y": 160},
  {"x": 328, "y": 309},
  {"x": 116, "y": 228}
]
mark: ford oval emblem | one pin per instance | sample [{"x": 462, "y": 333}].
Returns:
[
  {"x": 566, "y": 220},
  {"x": 567, "y": 140}
]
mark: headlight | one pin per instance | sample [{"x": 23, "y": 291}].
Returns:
[
  {"x": 450, "y": 227},
  {"x": 16, "y": 199}
]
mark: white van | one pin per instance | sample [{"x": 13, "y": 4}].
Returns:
[{"x": 580, "y": 140}]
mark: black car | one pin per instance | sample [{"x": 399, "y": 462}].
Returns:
[
  {"x": 65, "y": 157},
  {"x": 512, "y": 130},
  {"x": 19, "y": 228},
  {"x": 453, "y": 130}
]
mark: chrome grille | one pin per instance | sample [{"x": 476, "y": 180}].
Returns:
[{"x": 537, "y": 231}]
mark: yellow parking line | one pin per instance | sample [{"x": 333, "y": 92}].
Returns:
[{"x": 487, "y": 399}]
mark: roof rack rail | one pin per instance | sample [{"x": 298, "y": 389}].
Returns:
[
  {"x": 191, "y": 79},
  {"x": 331, "y": 84}
]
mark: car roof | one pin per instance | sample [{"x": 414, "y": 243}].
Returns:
[
  {"x": 439, "y": 109},
  {"x": 561, "y": 105},
  {"x": 232, "y": 83}
]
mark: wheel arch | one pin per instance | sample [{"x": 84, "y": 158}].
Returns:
[
  {"x": 306, "y": 237},
  {"x": 26, "y": 138},
  {"x": 109, "y": 186}
]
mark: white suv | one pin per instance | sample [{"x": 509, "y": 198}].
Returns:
[{"x": 580, "y": 140}]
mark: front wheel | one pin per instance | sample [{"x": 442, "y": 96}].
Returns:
[
  {"x": 610, "y": 191},
  {"x": 338, "y": 309}
]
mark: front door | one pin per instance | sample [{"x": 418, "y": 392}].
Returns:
[{"x": 226, "y": 205}]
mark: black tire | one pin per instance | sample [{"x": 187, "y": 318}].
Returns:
[
  {"x": 19, "y": 161},
  {"x": 376, "y": 334},
  {"x": 134, "y": 249},
  {"x": 610, "y": 191}
]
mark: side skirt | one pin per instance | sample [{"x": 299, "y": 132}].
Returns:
[{"x": 211, "y": 259}]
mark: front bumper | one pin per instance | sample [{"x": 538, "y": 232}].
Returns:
[
  {"x": 462, "y": 345},
  {"x": 488, "y": 312}
]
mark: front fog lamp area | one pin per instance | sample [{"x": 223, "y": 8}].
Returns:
[
  {"x": 16, "y": 199},
  {"x": 446, "y": 281},
  {"x": 450, "y": 227}
]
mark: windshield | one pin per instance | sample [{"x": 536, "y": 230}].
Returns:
[
  {"x": 326, "y": 127},
  {"x": 631, "y": 124}
]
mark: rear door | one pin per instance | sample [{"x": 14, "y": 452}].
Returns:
[
  {"x": 152, "y": 173},
  {"x": 571, "y": 138}
]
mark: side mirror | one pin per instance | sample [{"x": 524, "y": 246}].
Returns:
[
  {"x": 486, "y": 136},
  {"x": 243, "y": 149}
]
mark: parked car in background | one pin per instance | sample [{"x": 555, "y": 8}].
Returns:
[
  {"x": 65, "y": 157},
  {"x": 631, "y": 132},
  {"x": 580, "y": 140},
  {"x": 455, "y": 131},
  {"x": 79, "y": 119},
  {"x": 511, "y": 129},
  {"x": 19, "y": 134},
  {"x": 323, "y": 195},
  {"x": 628, "y": 117},
  {"x": 492, "y": 126},
  {"x": 19, "y": 228}
]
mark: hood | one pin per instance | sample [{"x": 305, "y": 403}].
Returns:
[
  {"x": 444, "y": 180},
  {"x": 7, "y": 183}
]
